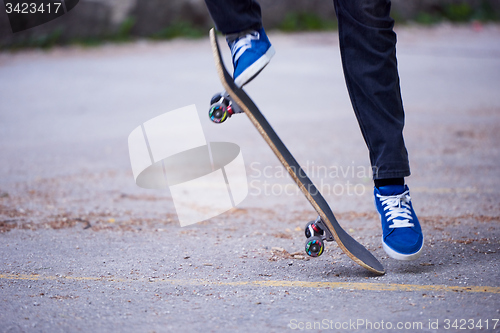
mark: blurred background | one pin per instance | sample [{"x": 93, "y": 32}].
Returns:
[{"x": 96, "y": 21}]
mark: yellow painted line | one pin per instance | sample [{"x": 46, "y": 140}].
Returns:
[{"x": 270, "y": 283}]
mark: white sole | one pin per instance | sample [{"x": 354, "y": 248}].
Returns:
[
  {"x": 399, "y": 256},
  {"x": 255, "y": 68}
]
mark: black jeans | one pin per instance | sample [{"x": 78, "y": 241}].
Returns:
[
  {"x": 233, "y": 16},
  {"x": 368, "y": 50}
]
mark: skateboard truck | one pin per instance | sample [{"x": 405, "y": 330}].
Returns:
[
  {"x": 222, "y": 107},
  {"x": 316, "y": 233}
]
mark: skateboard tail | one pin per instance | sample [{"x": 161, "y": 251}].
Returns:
[{"x": 357, "y": 252}]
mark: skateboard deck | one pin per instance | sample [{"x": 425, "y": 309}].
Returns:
[{"x": 354, "y": 250}]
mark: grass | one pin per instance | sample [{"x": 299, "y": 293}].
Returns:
[
  {"x": 180, "y": 29},
  {"x": 303, "y": 21},
  {"x": 458, "y": 12},
  {"x": 123, "y": 34},
  {"x": 461, "y": 12}
]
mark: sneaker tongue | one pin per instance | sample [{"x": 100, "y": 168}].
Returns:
[{"x": 391, "y": 189}]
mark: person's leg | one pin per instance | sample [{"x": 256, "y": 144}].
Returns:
[
  {"x": 235, "y": 16},
  {"x": 368, "y": 50}
]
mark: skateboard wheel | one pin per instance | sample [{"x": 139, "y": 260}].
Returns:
[
  {"x": 314, "y": 246},
  {"x": 218, "y": 113},
  {"x": 317, "y": 231}
]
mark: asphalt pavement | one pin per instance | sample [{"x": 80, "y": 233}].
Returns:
[{"x": 83, "y": 248}]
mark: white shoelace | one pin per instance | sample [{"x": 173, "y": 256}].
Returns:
[
  {"x": 397, "y": 209},
  {"x": 243, "y": 44}
]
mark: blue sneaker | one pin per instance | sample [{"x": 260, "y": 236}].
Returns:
[
  {"x": 251, "y": 52},
  {"x": 402, "y": 236}
]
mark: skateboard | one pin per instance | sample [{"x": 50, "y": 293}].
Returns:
[{"x": 325, "y": 228}]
